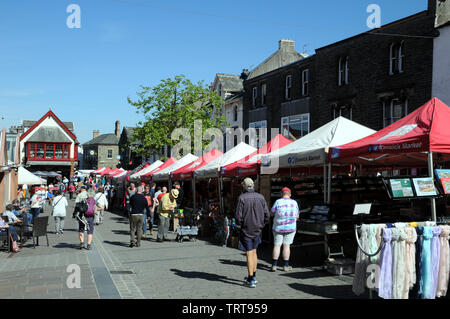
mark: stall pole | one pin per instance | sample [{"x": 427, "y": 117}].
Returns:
[
  {"x": 193, "y": 192},
  {"x": 220, "y": 181},
  {"x": 329, "y": 183},
  {"x": 325, "y": 184},
  {"x": 430, "y": 172}
]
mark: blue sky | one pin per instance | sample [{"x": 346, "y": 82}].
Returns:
[{"x": 85, "y": 75}]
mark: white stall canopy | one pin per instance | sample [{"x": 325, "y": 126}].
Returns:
[{"x": 165, "y": 173}]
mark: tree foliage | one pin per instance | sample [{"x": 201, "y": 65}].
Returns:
[{"x": 173, "y": 104}]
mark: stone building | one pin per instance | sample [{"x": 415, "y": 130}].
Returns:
[{"x": 102, "y": 150}]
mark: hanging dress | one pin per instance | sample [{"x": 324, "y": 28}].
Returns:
[
  {"x": 399, "y": 262},
  {"x": 419, "y": 280},
  {"x": 410, "y": 278},
  {"x": 425, "y": 267},
  {"x": 362, "y": 261},
  {"x": 444, "y": 264},
  {"x": 435, "y": 259},
  {"x": 385, "y": 282},
  {"x": 373, "y": 244}
]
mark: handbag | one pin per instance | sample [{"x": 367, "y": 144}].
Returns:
[{"x": 15, "y": 248}]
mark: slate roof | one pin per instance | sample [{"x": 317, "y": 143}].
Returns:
[
  {"x": 104, "y": 139},
  {"x": 285, "y": 55},
  {"x": 49, "y": 134},
  {"x": 28, "y": 124},
  {"x": 230, "y": 82}
]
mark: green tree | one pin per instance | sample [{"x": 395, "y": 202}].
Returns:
[{"x": 173, "y": 104}]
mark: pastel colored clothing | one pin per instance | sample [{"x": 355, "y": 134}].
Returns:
[
  {"x": 165, "y": 204},
  {"x": 386, "y": 266},
  {"x": 410, "y": 278},
  {"x": 425, "y": 266},
  {"x": 286, "y": 214},
  {"x": 399, "y": 237},
  {"x": 362, "y": 261},
  {"x": 435, "y": 259},
  {"x": 444, "y": 264}
]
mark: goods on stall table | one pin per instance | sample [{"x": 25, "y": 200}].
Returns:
[
  {"x": 401, "y": 188},
  {"x": 424, "y": 186}
]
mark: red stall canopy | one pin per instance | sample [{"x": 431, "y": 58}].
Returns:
[
  {"x": 147, "y": 177},
  {"x": 186, "y": 172},
  {"x": 249, "y": 165},
  {"x": 403, "y": 143},
  {"x": 98, "y": 170},
  {"x": 105, "y": 171}
]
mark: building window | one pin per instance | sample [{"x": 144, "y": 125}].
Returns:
[
  {"x": 305, "y": 82},
  {"x": 295, "y": 126},
  {"x": 396, "y": 58},
  {"x": 48, "y": 151},
  {"x": 255, "y": 95},
  {"x": 263, "y": 94},
  {"x": 258, "y": 136},
  {"x": 394, "y": 110},
  {"x": 343, "y": 110},
  {"x": 288, "y": 93},
  {"x": 343, "y": 71},
  {"x": 110, "y": 154},
  {"x": 235, "y": 113}
]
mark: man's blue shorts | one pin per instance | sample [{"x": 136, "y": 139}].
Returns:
[{"x": 248, "y": 244}]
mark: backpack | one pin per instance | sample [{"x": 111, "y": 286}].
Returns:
[{"x": 91, "y": 207}]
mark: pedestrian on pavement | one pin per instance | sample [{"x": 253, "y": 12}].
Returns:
[
  {"x": 87, "y": 221},
  {"x": 59, "y": 205},
  {"x": 153, "y": 190},
  {"x": 163, "y": 192},
  {"x": 148, "y": 219},
  {"x": 139, "y": 207},
  {"x": 252, "y": 214},
  {"x": 71, "y": 190},
  {"x": 286, "y": 214},
  {"x": 158, "y": 191},
  {"x": 176, "y": 218},
  {"x": 101, "y": 206},
  {"x": 130, "y": 192},
  {"x": 166, "y": 207}
]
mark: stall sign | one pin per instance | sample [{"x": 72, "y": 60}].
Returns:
[
  {"x": 424, "y": 187},
  {"x": 443, "y": 173},
  {"x": 401, "y": 188},
  {"x": 446, "y": 185}
]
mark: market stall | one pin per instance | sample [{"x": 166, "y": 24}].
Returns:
[
  {"x": 135, "y": 177},
  {"x": 25, "y": 177},
  {"x": 164, "y": 175},
  {"x": 147, "y": 177}
]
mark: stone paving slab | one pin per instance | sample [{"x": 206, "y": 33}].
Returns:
[{"x": 192, "y": 269}]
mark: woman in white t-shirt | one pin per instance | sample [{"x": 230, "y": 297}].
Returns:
[
  {"x": 59, "y": 204},
  {"x": 101, "y": 204}
]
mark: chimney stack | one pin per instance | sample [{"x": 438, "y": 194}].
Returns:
[
  {"x": 118, "y": 129},
  {"x": 286, "y": 44},
  {"x": 96, "y": 134}
]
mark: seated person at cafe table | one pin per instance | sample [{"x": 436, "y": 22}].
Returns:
[
  {"x": 12, "y": 219},
  {"x": 20, "y": 213}
]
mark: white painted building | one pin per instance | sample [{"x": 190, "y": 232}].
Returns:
[{"x": 441, "y": 53}]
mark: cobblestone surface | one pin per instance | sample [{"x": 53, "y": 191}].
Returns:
[{"x": 166, "y": 270}]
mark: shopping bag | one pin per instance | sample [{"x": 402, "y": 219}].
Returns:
[{"x": 15, "y": 248}]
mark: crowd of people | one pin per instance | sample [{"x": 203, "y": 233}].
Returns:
[{"x": 149, "y": 205}]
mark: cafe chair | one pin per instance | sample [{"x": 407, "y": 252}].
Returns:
[
  {"x": 5, "y": 240},
  {"x": 39, "y": 229}
]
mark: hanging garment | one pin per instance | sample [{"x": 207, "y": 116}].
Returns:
[
  {"x": 435, "y": 259},
  {"x": 372, "y": 243},
  {"x": 399, "y": 262},
  {"x": 385, "y": 282},
  {"x": 419, "y": 244},
  {"x": 444, "y": 264},
  {"x": 425, "y": 267},
  {"x": 410, "y": 278},
  {"x": 362, "y": 261}
]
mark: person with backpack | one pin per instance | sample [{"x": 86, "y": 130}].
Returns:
[
  {"x": 71, "y": 190},
  {"x": 86, "y": 222},
  {"x": 101, "y": 204}
]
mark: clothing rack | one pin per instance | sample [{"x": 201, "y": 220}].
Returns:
[{"x": 380, "y": 248}]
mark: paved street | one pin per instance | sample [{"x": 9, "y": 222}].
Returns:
[{"x": 155, "y": 270}]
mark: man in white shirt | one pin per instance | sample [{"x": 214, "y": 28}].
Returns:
[
  {"x": 59, "y": 204},
  {"x": 36, "y": 203}
]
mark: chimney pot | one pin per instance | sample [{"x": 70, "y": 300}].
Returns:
[
  {"x": 118, "y": 128},
  {"x": 284, "y": 43},
  {"x": 96, "y": 133}
]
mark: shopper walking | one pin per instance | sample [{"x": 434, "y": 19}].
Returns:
[
  {"x": 130, "y": 192},
  {"x": 87, "y": 222},
  {"x": 286, "y": 213},
  {"x": 176, "y": 217},
  {"x": 148, "y": 219},
  {"x": 101, "y": 206},
  {"x": 139, "y": 207},
  {"x": 71, "y": 190},
  {"x": 252, "y": 214},
  {"x": 59, "y": 205},
  {"x": 166, "y": 207}
]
